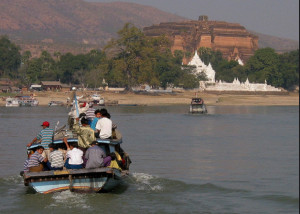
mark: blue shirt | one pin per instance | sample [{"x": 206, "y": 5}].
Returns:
[
  {"x": 46, "y": 135},
  {"x": 94, "y": 123}
]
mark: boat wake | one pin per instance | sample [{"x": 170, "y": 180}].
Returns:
[
  {"x": 70, "y": 199},
  {"x": 146, "y": 182},
  {"x": 149, "y": 182}
]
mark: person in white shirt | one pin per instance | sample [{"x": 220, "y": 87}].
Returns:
[
  {"x": 104, "y": 125},
  {"x": 74, "y": 156}
]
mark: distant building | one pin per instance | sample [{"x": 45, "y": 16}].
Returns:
[
  {"x": 66, "y": 87},
  {"x": 5, "y": 89},
  {"x": 36, "y": 87},
  {"x": 51, "y": 85}
]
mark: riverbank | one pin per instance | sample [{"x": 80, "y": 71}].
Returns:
[{"x": 290, "y": 99}]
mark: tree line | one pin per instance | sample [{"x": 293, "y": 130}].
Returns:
[{"x": 133, "y": 59}]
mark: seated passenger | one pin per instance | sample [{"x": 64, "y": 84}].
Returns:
[
  {"x": 94, "y": 156},
  {"x": 95, "y": 120},
  {"x": 26, "y": 168},
  {"x": 104, "y": 125},
  {"x": 35, "y": 163},
  {"x": 74, "y": 156},
  {"x": 113, "y": 161},
  {"x": 56, "y": 158}
]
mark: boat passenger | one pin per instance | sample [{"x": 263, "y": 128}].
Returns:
[
  {"x": 35, "y": 163},
  {"x": 26, "y": 168},
  {"x": 90, "y": 113},
  {"x": 86, "y": 134},
  {"x": 56, "y": 158},
  {"x": 74, "y": 156},
  {"x": 114, "y": 162},
  {"x": 94, "y": 156},
  {"x": 104, "y": 125},
  {"x": 95, "y": 120},
  {"x": 45, "y": 137},
  {"x": 72, "y": 114}
]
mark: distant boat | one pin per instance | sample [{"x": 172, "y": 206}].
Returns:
[
  {"x": 97, "y": 100},
  {"x": 197, "y": 106},
  {"x": 55, "y": 103},
  {"x": 12, "y": 102},
  {"x": 27, "y": 101}
]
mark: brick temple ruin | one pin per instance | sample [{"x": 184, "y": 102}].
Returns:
[{"x": 232, "y": 39}]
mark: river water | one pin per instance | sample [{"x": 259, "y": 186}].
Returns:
[{"x": 233, "y": 160}]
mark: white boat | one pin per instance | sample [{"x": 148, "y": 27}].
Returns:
[
  {"x": 198, "y": 106},
  {"x": 28, "y": 101},
  {"x": 12, "y": 102},
  {"x": 97, "y": 99}
]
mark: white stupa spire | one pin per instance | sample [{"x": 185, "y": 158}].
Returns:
[{"x": 201, "y": 67}]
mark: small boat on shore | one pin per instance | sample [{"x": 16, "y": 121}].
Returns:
[
  {"x": 55, "y": 103},
  {"x": 95, "y": 180},
  {"x": 96, "y": 99},
  {"x": 197, "y": 106},
  {"x": 12, "y": 102},
  {"x": 28, "y": 101}
]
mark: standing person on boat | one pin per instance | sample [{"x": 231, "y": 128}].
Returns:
[
  {"x": 75, "y": 112},
  {"x": 74, "y": 156},
  {"x": 104, "y": 125},
  {"x": 94, "y": 156},
  {"x": 36, "y": 160},
  {"x": 90, "y": 113},
  {"x": 56, "y": 158},
  {"x": 45, "y": 137},
  {"x": 85, "y": 134}
]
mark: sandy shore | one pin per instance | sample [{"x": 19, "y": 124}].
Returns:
[{"x": 292, "y": 99}]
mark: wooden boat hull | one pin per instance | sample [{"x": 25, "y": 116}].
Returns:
[{"x": 82, "y": 180}]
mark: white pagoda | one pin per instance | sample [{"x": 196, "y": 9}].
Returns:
[{"x": 202, "y": 68}]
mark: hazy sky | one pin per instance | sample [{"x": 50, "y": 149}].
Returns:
[{"x": 273, "y": 17}]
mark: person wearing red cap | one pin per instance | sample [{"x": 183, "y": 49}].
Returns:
[{"x": 45, "y": 137}]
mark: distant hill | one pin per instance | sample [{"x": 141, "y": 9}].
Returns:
[
  {"x": 72, "y": 24},
  {"x": 281, "y": 45},
  {"x": 76, "y": 25}
]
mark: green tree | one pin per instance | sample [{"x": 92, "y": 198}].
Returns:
[
  {"x": 10, "y": 58},
  {"x": 25, "y": 58},
  {"x": 225, "y": 71},
  {"x": 129, "y": 48},
  {"x": 289, "y": 68},
  {"x": 72, "y": 68},
  {"x": 264, "y": 65}
]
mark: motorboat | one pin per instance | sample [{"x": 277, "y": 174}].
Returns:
[
  {"x": 197, "y": 106},
  {"x": 97, "y": 100},
  {"x": 55, "y": 103},
  {"x": 12, "y": 102},
  {"x": 28, "y": 101},
  {"x": 102, "y": 179}
]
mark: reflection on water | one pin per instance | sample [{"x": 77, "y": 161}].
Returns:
[{"x": 235, "y": 159}]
